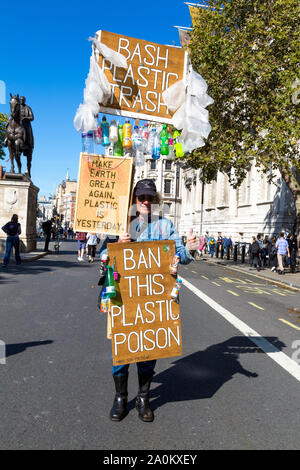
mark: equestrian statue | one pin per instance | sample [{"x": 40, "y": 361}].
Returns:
[{"x": 19, "y": 136}]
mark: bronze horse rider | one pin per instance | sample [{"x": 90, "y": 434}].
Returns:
[{"x": 19, "y": 136}]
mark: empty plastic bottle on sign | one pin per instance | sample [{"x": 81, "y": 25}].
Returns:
[
  {"x": 113, "y": 132},
  {"x": 137, "y": 144},
  {"x": 98, "y": 132},
  {"x": 110, "y": 283},
  {"x": 105, "y": 132},
  {"x": 171, "y": 146},
  {"x": 145, "y": 135},
  {"x": 150, "y": 142},
  {"x": 164, "y": 141},
  {"x": 176, "y": 289},
  {"x": 88, "y": 142},
  {"x": 178, "y": 145},
  {"x": 118, "y": 146},
  {"x": 156, "y": 147},
  {"x": 127, "y": 135}
]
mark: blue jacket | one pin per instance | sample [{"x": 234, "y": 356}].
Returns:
[{"x": 158, "y": 229}]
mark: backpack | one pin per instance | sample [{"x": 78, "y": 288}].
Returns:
[
  {"x": 255, "y": 248},
  {"x": 82, "y": 236}
]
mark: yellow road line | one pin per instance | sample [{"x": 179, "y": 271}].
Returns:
[
  {"x": 204, "y": 277},
  {"x": 254, "y": 305},
  {"x": 288, "y": 323},
  {"x": 216, "y": 283},
  {"x": 279, "y": 293},
  {"x": 195, "y": 272},
  {"x": 233, "y": 293}
]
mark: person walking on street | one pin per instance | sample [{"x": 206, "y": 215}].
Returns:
[
  {"x": 47, "y": 228},
  {"x": 293, "y": 248},
  {"x": 282, "y": 250},
  {"x": 273, "y": 255},
  {"x": 13, "y": 230},
  {"x": 254, "y": 254},
  {"x": 81, "y": 236},
  {"x": 145, "y": 227},
  {"x": 92, "y": 241},
  {"x": 265, "y": 252}
]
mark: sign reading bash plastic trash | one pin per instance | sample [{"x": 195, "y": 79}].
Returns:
[
  {"x": 103, "y": 194},
  {"x": 152, "y": 68},
  {"x": 146, "y": 323}
]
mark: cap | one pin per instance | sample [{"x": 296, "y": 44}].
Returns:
[{"x": 145, "y": 186}]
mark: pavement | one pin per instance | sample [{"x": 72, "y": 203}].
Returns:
[{"x": 291, "y": 280}]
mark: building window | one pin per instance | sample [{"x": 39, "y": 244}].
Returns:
[
  {"x": 167, "y": 186},
  {"x": 152, "y": 164},
  {"x": 168, "y": 165}
]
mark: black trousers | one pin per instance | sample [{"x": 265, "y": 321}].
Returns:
[{"x": 48, "y": 236}]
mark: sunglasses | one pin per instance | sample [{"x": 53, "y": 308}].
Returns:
[{"x": 146, "y": 197}]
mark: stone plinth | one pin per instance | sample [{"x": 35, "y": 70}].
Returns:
[{"x": 19, "y": 196}]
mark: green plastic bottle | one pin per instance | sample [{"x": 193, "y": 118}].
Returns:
[
  {"x": 118, "y": 146},
  {"x": 110, "y": 287},
  {"x": 164, "y": 141}
]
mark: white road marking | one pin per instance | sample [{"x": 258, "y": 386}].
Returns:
[{"x": 278, "y": 356}]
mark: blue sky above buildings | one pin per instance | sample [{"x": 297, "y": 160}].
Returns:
[{"x": 45, "y": 57}]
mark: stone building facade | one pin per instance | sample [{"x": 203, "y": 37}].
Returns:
[{"x": 255, "y": 207}]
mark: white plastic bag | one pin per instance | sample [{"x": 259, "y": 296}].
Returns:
[
  {"x": 188, "y": 102},
  {"x": 97, "y": 88}
]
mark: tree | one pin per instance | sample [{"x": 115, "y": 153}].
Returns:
[
  {"x": 3, "y": 121},
  {"x": 248, "y": 52}
]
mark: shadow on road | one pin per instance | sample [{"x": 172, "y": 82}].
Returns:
[
  {"x": 17, "y": 348},
  {"x": 202, "y": 374}
]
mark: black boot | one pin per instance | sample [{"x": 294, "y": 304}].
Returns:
[
  {"x": 142, "y": 400},
  {"x": 119, "y": 410}
]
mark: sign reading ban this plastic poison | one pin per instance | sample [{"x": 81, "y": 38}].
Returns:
[
  {"x": 103, "y": 194},
  {"x": 145, "y": 321},
  {"x": 152, "y": 68}
]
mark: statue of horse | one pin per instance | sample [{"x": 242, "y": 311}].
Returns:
[{"x": 16, "y": 138}]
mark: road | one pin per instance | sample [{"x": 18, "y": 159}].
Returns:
[{"x": 225, "y": 392}]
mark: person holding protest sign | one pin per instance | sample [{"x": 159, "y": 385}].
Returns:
[{"x": 145, "y": 226}]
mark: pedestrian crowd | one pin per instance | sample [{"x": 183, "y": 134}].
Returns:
[{"x": 274, "y": 252}]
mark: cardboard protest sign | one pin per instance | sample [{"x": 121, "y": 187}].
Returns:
[
  {"x": 145, "y": 320},
  {"x": 152, "y": 68},
  {"x": 103, "y": 193}
]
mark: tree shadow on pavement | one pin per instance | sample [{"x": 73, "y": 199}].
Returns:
[
  {"x": 17, "y": 348},
  {"x": 202, "y": 374}
]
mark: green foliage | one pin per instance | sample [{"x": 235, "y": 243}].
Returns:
[
  {"x": 3, "y": 121},
  {"x": 248, "y": 52}
]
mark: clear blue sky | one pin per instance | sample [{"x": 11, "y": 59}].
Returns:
[{"x": 45, "y": 57}]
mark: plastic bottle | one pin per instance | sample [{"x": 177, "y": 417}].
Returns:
[
  {"x": 145, "y": 135},
  {"x": 171, "y": 145},
  {"x": 113, "y": 132},
  {"x": 178, "y": 146},
  {"x": 175, "y": 263},
  {"x": 102, "y": 269},
  {"x": 104, "y": 305},
  {"x": 127, "y": 135},
  {"x": 137, "y": 144},
  {"x": 150, "y": 142},
  {"x": 110, "y": 283},
  {"x": 87, "y": 142},
  {"x": 164, "y": 141},
  {"x": 105, "y": 132},
  {"x": 176, "y": 289},
  {"x": 156, "y": 147},
  {"x": 118, "y": 146},
  {"x": 98, "y": 132}
]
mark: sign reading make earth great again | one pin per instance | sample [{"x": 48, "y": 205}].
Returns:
[
  {"x": 152, "y": 68},
  {"x": 103, "y": 193}
]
